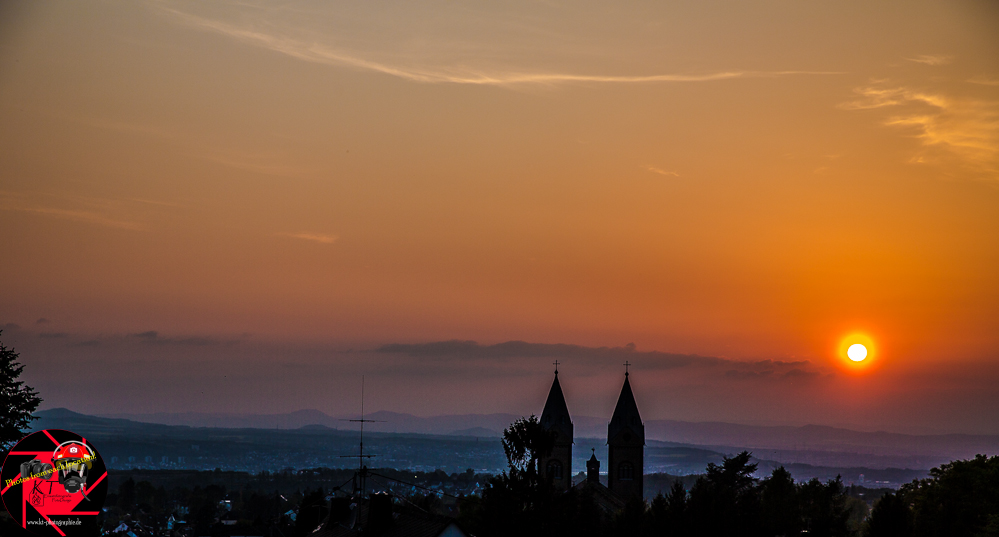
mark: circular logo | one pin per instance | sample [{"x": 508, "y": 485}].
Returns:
[{"x": 54, "y": 482}]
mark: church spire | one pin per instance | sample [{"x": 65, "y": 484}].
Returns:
[
  {"x": 555, "y": 417},
  {"x": 626, "y": 446},
  {"x": 556, "y": 412},
  {"x": 626, "y": 414}
]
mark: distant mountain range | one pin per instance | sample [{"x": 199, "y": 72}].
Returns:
[
  {"x": 811, "y": 444},
  {"x": 455, "y": 443}
]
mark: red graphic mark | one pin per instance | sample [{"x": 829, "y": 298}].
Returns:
[
  {"x": 52, "y": 438},
  {"x": 99, "y": 479},
  {"x": 50, "y": 523}
]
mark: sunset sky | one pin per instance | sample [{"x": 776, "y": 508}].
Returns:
[{"x": 243, "y": 206}]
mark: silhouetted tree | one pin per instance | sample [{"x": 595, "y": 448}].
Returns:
[
  {"x": 656, "y": 517},
  {"x": 667, "y": 514},
  {"x": 525, "y": 443},
  {"x": 726, "y": 501},
  {"x": 891, "y": 517},
  {"x": 823, "y": 507},
  {"x": 959, "y": 499},
  {"x": 780, "y": 508},
  {"x": 17, "y": 401},
  {"x": 677, "y": 511},
  {"x": 859, "y": 511},
  {"x": 126, "y": 494},
  {"x": 519, "y": 501},
  {"x": 144, "y": 493},
  {"x": 204, "y": 507},
  {"x": 991, "y": 528}
]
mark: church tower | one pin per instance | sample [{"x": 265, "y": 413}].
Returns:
[
  {"x": 593, "y": 469},
  {"x": 626, "y": 447},
  {"x": 555, "y": 417}
]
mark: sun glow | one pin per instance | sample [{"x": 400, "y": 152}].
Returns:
[{"x": 857, "y": 351}]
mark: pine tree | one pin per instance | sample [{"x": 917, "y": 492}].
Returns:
[{"x": 17, "y": 401}]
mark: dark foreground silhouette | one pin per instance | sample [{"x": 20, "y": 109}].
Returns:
[{"x": 959, "y": 499}]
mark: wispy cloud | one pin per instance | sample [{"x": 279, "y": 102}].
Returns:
[
  {"x": 659, "y": 171},
  {"x": 52, "y": 335},
  {"x": 932, "y": 59},
  {"x": 154, "y": 337},
  {"x": 874, "y": 97},
  {"x": 597, "y": 357},
  {"x": 85, "y": 217},
  {"x": 18, "y": 202},
  {"x": 964, "y": 127},
  {"x": 323, "y": 54},
  {"x": 314, "y": 237}
]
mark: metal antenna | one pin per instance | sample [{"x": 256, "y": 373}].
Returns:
[{"x": 362, "y": 470}]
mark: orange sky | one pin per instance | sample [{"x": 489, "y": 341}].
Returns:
[{"x": 746, "y": 181}]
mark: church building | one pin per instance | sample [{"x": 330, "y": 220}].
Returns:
[
  {"x": 625, "y": 441},
  {"x": 555, "y": 417},
  {"x": 626, "y": 447}
]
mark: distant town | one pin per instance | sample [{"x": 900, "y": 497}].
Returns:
[{"x": 127, "y": 444}]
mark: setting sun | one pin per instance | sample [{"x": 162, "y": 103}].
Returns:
[{"x": 856, "y": 351}]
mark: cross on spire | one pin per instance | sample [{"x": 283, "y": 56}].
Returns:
[
  {"x": 626, "y": 364},
  {"x": 555, "y": 363}
]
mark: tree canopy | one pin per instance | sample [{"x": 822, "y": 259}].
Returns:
[
  {"x": 959, "y": 499},
  {"x": 525, "y": 443},
  {"x": 727, "y": 500},
  {"x": 17, "y": 401}
]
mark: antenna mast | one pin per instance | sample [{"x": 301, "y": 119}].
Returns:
[{"x": 360, "y": 477}]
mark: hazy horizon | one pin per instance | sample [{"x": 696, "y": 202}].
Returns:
[
  {"x": 590, "y": 434},
  {"x": 273, "y": 379}
]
